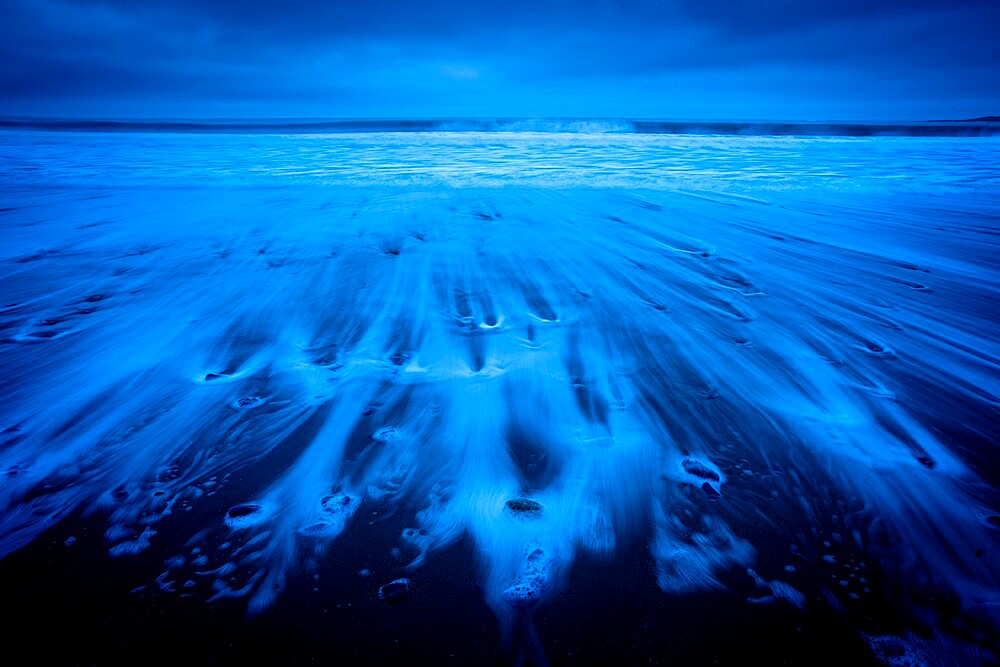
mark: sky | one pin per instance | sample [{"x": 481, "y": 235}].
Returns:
[{"x": 668, "y": 59}]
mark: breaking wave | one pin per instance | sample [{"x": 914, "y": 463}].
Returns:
[{"x": 949, "y": 128}]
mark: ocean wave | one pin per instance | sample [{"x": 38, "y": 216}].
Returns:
[{"x": 974, "y": 128}]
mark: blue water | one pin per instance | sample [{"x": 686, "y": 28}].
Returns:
[
  {"x": 976, "y": 127},
  {"x": 558, "y": 397}
]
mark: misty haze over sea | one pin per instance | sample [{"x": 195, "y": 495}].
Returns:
[{"x": 984, "y": 126}]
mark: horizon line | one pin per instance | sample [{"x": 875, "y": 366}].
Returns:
[{"x": 981, "y": 126}]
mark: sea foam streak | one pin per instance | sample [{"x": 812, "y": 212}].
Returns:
[{"x": 757, "y": 376}]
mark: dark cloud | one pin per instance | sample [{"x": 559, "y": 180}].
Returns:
[{"x": 598, "y": 57}]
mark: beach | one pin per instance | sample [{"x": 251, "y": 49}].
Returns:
[{"x": 581, "y": 396}]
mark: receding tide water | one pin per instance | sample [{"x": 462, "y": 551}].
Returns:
[{"x": 472, "y": 397}]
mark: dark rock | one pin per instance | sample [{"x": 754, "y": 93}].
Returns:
[
  {"x": 239, "y": 511},
  {"x": 699, "y": 469},
  {"x": 394, "y": 592},
  {"x": 710, "y": 491},
  {"x": 524, "y": 506},
  {"x": 892, "y": 647}
]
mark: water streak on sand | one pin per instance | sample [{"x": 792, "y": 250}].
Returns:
[{"x": 720, "y": 372}]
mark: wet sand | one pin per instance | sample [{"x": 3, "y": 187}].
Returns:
[{"x": 700, "y": 418}]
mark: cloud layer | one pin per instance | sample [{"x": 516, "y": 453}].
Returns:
[{"x": 686, "y": 58}]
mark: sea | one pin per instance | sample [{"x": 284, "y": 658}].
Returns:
[{"x": 500, "y": 391}]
